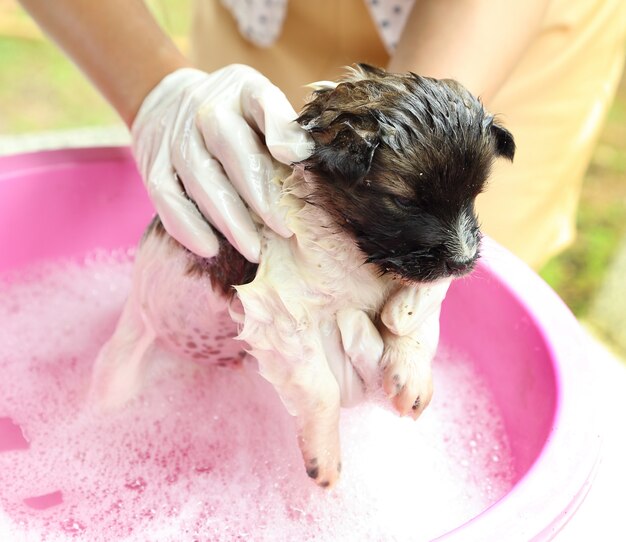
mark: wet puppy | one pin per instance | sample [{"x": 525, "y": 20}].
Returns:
[{"x": 383, "y": 218}]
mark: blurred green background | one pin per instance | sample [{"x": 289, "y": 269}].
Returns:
[{"x": 42, "y": 91}]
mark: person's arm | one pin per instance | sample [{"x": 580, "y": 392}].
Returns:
[
  {"x": 195, "y": 135},
  {"x": 116, "y": 43},
  {"x": 476, "y": 42}
]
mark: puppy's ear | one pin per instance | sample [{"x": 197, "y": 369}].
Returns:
[
  {"x": 346, "y": 136},
  {"x": 342, "y": 150},
  {"x": 505, "y": 144}
]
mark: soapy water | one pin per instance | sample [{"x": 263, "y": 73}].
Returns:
[{"x": 209, "y": 452}]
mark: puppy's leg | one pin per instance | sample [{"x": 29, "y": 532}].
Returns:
[
  {"x": 317, "y": 417},
  {"x": 311, "y": 394},
  {"x": 411, "y": 335},
  {"x": 175, "y": 294},
  {"x": 117, "y": 371},
  {"x": 119, "y": 365}
]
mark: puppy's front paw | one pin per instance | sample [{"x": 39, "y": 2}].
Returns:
[{"x": 407, "y": 375}]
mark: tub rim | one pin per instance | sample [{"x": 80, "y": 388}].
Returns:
[
  {"x": 569, "y": 458},
  {"x": 575, "y": 452}
]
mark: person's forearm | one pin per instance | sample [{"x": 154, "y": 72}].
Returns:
[
  {"x": 477, "y": 42},
  {"x": 117, "y": 43}
]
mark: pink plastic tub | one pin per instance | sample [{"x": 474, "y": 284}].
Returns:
[{"x": 522, "y": 337}]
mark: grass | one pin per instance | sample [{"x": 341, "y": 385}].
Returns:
[{"x": 41, "y": 90}]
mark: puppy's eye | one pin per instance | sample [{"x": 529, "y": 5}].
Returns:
[{"x": 403, "y": 203}]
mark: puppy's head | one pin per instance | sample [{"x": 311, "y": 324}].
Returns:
[{"x": 398, "y": 163}]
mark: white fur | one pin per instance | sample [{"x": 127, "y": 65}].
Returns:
[
  {"x": 296, "y": 318},
  {"x": 464, "y": 243}
]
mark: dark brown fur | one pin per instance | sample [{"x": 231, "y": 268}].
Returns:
[
  {"x": 398, "y": 162},
  {"x": 225, "y": 270}
]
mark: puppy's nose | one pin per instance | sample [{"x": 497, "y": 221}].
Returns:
[{"x": 459, "y": 267}]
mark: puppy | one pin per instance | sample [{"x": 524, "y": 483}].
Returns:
[{"x": 383, "y": 218}]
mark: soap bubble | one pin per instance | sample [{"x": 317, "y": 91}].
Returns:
[{"x": 208, "y": 452}]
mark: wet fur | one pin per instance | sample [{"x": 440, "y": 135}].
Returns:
[
  {"x": 399, "y": 161},
  {"x": 383, "y": 217}
]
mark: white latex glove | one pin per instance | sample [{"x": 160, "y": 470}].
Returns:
[
  {"x": 198, "y": 136},
  {"x": 354, "y": 356}
]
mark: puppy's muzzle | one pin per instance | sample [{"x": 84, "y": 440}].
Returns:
[{"x": 459, "y": 268}]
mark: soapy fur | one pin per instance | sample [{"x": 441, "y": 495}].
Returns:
[{"x": 382, "y": 215}]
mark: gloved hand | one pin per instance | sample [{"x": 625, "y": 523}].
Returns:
[
  {"x": 354, "y": 359},
  {"x": 199, "y": 136}
]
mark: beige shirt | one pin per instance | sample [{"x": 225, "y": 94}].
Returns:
[{"x": 554, "y": 102}]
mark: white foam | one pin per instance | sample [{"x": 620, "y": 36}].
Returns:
[{"x": 209, "y": 452}]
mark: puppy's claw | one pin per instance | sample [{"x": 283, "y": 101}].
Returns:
[
  {"x": 392, "y": 386},
  {"x": 407, "y": 383},
  {"x": 417, "y": 408},
  {"x": 414, "y": 397},
  {"x": 321, "y": 454},
  {"x": 325, "y": 478},
  {"x": 324, "y": 472},
  {"x": 313, "y": 472}
]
